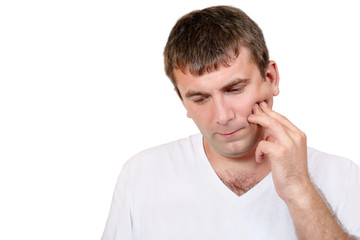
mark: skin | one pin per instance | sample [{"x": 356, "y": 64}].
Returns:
[
  {"x": 232, "y": 107},
  {"x": 220, "y": 103},
  {"x": 285, "y": 148}
]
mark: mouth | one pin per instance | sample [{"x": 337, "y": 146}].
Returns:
[{"x": 230, "y": 133}]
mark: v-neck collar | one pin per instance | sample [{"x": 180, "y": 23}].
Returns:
[{"x": 212, "y": 178}]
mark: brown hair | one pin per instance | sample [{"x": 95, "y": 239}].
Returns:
[{"x": 202, "y": 40}]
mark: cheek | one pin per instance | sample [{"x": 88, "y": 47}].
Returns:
[
  {"x": 249, "y": 100},
  {"x": 246, "y": 105},
  {"x": 199, "y": 116},
  {"x": 262, "y": 93}
]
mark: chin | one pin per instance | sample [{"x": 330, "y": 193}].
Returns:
[
  {"x": 242, "y": 145},
  {"x": 237, "y": 149}
]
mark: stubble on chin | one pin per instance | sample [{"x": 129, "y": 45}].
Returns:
[{"x": 242, "y": 148}]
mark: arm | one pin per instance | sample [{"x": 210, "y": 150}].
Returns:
[
  {"x": 313, "y": 219},
  {"x": 284, "y": 145}
]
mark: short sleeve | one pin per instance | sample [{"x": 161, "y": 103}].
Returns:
[
  {"x": 119, "y": 224},
  {"x": 349, "y": 209}
]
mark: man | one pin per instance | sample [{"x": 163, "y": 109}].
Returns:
[{"x": 249, "y": 174}]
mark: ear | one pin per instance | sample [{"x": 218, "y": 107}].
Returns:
[
  {"x": 272, "y": 75},
  {"x": 182, "y": 101}
]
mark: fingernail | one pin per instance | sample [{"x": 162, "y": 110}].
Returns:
[
  {"x": 256, "y": 106},
  {"x": 263, "y": 104}
]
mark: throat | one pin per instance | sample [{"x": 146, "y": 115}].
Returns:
[{"x": 238, "y": 182}]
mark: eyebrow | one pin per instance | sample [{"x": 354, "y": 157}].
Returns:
[
  {"x": 192, "y": 93},
  {"x": 233, "y": 83}
]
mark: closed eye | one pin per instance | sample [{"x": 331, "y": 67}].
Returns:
[
  {"x": 200, "y": 100},
  {"x": 235, "y": 90},
  {"x": 236, "y": 86}
]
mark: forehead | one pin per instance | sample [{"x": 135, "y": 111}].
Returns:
[{"x": 241, "y": 67}]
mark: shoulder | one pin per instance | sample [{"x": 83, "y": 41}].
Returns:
[
  {"x": 337, "y": 177},
  {"x": 327, "y": 168},
  {"x": 320, "y": 162},
  {"x": 172, "y": 149},
  {"x": 161, "y": 167},
  {"x": 172, "y": 153}
]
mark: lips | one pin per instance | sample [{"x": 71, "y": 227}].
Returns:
[{"x": 230, "y": 133}]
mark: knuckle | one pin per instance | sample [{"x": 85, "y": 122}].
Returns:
[
  {"x": 284, "y": 118},
  {"x": 291, "y": 144},
  {"x": 300, "y": 137},
  {"x": 273, "y": 122},
  {"x": 261, "y": 145},
  {"x": 303, "y": 135},
  {"x": 282, "y": 151}
]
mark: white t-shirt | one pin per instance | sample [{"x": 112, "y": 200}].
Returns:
[{"x": 171, "y": 192}]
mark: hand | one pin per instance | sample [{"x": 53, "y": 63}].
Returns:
[{"x": 284, "y": 145}]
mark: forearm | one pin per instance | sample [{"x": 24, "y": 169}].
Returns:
[{"x": 313, "y": 219}]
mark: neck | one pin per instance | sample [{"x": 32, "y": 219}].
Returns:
[{"x": 244, "y": 167}]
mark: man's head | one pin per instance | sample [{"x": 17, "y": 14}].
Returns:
[
  {"x": 219, "y": 64},
  {"x": 203, "y": 40}
]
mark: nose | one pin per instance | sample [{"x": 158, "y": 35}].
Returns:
[{"x": 223, "y": 112}]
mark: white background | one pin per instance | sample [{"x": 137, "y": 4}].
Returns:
[{"x": 83, "y": 89}]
